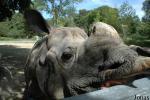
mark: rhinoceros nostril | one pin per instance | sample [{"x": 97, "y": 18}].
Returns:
[
  {"x": 42, "y": 63},
  {"x": 114, "y": 65}
]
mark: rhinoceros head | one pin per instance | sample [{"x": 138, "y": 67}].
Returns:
[{"x": 52, "y": 56}]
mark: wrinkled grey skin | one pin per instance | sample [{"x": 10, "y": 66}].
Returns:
[
  {"x": 66, "y": 62},
  {"x": 104, "y": 54},
  {"x": 51, "y": 59},
  {"x": 113, "y": 53},
  {"x": 47, "y": 58}
]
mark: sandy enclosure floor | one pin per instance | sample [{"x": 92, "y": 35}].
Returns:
[
  {"x": 18, "y": 44},
  {"x": 13, "y": 56}
]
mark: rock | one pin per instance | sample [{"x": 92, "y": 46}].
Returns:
[{"x": 119, "y": 92}]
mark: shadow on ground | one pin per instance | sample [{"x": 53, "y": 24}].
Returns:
[{"x": 13, "y": 58}]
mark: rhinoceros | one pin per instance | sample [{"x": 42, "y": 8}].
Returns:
[
  {"x": 104, "y": 51},
  {"x": 116, "y": 59},
  {"x": 67, "y": 62}
]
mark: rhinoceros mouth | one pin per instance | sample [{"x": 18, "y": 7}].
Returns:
[
  {"x": 97, "y": 84},
  {"x": 125, "y": 80}
]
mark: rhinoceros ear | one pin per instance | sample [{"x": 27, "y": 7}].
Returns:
[
  {"x": 92, "y": 31},
  {"x": 36, "y": 21}
]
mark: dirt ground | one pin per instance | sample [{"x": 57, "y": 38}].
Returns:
[{"x": 13, "y": 57}]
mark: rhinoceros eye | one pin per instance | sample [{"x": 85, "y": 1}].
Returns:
[{"x": 66, "y": 56}]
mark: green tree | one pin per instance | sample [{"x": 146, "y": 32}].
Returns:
[
  {"x": 15, "y": 27},
  {"x": 126, "y": 10},
  {"x": 8, "y": 7},
  {"x": 57, "y": 8},
  {"x": 111, "y": 16},
  {"x": 104, "y": 14},
  {"x": 144, "y": 27},
  {"x": 81, "y": 19},
  {"x": 4, "y": 28},
  {"x": 128, "y": 18},
  {"x": 146, "y": 8},
  {"x": 68, "y": 16}
]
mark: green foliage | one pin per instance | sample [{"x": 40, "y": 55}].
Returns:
[
  {"x": 59, "y": 9},
  {"x": 105, "y": 14},
  {"x": 82, "y": 20},
  {"x": 63, "y": 13},
  {"x": 40, "y": 4},
  {"x": 128, "y": 18},
  {"x": 146, "y": 8},
  {"x": 110, "y": 16},
  {"x": 15, "y": 27},
  {"x": 144, "y": 29},
  {"x": 126, "y": 10},
  {"x": 4, "y": 28},
  {"x": 8, "y": 7},
  {"x": 138, "y": 39}
]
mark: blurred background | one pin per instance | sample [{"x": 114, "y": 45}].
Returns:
[{"x": 131, "y": 18}]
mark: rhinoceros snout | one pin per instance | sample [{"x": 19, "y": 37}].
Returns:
[{"x": 52, "y": 61}]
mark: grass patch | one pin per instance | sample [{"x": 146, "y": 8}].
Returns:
[{"x": 137, "y": 40}]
